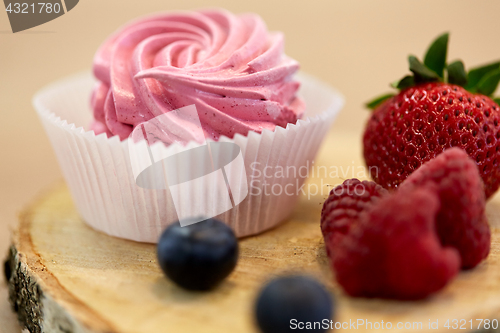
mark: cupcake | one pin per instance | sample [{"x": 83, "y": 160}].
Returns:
[{"x": 260, "y": 121}]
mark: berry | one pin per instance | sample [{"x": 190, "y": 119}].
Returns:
[
  {"x": 461, "y": 222},
  {"x": 293, "y": 297},
  {"x": 430, "y": 114},
  {"x": 393, "y": 250},
  {"x": 410, "y": 243},
  {"x": 198, "y": 256},
  {"x": 345, "y": 203}
]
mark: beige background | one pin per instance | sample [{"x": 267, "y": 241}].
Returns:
[{"x": 357, "y": 46}]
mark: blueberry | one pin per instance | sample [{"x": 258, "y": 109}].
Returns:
[
  {"x": 198, "y": 256},
  {"x": 287, "y": 301}
]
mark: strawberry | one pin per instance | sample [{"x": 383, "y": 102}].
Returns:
[{"x": 431, "y": 113}]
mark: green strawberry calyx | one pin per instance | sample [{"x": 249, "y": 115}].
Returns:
[{"x": 480, "y": 80}]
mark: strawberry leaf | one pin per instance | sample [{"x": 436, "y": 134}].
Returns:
[
  {"x": 379, "y": 100},
  {"x": 435, "y": 58},
  {"x": 456, "y": 73},
  {"x": 406, "y": 82},
  {"x": 476, "y": 74},
  {"x": 421, "y": 72},
  {"x": 497, "y": 100},
  {"x": 489, "y": 83}
]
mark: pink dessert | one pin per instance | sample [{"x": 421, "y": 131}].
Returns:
[{"x": 229, "y": 66}]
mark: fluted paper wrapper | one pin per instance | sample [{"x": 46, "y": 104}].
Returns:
[{"x": 100, "y": 174}]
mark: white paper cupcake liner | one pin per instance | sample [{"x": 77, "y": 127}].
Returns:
[{"x": 99, "y": 173}]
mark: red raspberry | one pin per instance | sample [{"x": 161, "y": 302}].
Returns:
[
  {"x": 393, "y": 250},
  {"x": 344, "y": 204},
  {"x": 461, "y": 221}
]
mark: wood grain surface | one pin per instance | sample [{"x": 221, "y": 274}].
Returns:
[
  {"x": 70, "y": 278},
  {"x": 357, "y": 46}
]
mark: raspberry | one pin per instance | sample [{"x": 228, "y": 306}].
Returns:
[
  {"x": 393, "y": 250},
  {"x": 410, "y": 243},
  {"x": 345, "y": 203},
  {"x": 461, "y": 221}
]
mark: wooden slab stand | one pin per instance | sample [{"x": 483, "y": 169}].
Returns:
[{"x": 65, "y": 277}]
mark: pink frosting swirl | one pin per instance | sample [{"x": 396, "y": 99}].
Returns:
[{"x": 229, "y": 66}]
